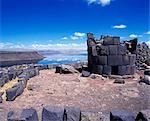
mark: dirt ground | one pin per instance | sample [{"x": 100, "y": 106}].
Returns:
[{"x": 101, "y": 93}]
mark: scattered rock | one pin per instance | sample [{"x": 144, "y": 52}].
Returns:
[
  {"x": 147, "y": 72},
  {"x": 144, "y": 115},
  {"x": 24, "y": 115},
  {"x": 72, "y": 114},
  {"x": 65, "y": 69},
  {"x": 119, "y": 81},
  {"x": 51, "y": 113},
  {"x": 121, "y": 115},
  {"x": 145, "y": 79},
  {"x": 85, "y": 73},
  {"x": 15, "y": 91}
]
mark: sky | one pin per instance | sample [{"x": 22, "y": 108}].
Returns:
[{"x": 63, "y": 24}]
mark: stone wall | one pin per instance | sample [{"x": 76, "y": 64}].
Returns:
[{"x": 109, "y": 56}]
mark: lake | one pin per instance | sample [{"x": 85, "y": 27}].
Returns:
[{"x": 63, "y": 58}]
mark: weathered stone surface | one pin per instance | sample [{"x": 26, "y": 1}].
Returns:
[
  {"x": 130, "y": 70},
  {"x": 122, "y": 70},
  {"x": 65, "y": 69},
  {"x": 122, "y": 50},
  {"x": 52, "y": 113},
  {"x": 94, "y": 52},
  {"x": 85, "y": 73},
  {"x": 15, "y": 91},
  {"x": 108, "y": 40},
  {"x": 119, "y": 81},
  {"x": 147, "y": 72},
  {"x": 121, "y": 115},
  {"x": 113, "y": 49},
  {"x": 1, "y": 99},
  {"x": 125, "y": 60},
  {"x": 145, "y": 79},
  {"x": 4, "y": 79},
  {"x": 114, "y": 60},
  {"x": 72, "y": 114},
  {"x": 23, "y": 115},
  {"x": 98, "y": 69},
  {"x": 102, "y": 60},
  {"x": 132, "y": 59},
  {"x": 102, "y": 50},
  {"x": 107, "y": 70},
  {"x": 144, "y": 115}
]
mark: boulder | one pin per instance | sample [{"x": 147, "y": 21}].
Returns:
[
  {"x": 72, "y": 114},
  {"x": 147, "y": 72},
  {"x": 144, "y": 115},
  {"x": 52, "y": 113},
  {"x": 15, "y": 91},
  {"x": 119, "y": 81},
  {"x": 23, "y": 115},
  {"x": 145, "y": 79},
  {"x": 85, "y": 73},
  {"x": 122, "y": 115},
  {"x": 65, "y": 69}
]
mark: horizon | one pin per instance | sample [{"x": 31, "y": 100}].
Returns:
[{"x": 63, "y": 24}]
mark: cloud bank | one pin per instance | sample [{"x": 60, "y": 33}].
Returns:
[
  {"x": 101, "y": 2},
  {"x": 121, "y": 26}
]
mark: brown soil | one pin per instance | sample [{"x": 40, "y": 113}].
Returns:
[{"x": 73, "y": 90}]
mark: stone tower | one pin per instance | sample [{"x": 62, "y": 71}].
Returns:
[{"x": 109, "y": 56}]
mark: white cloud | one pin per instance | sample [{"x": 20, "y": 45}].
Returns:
[
  {"x": 64, "y": 38},
  {"x": 69, "y": 46},
  {"x": 135, "y": 35},
  {"x": 74, "y": 37},
  {"x": 121, "y": 26},
  {"x": 148, "y": 32},
  {"x": 102, "y": 2},
  {"x": 79, "y": 34}
]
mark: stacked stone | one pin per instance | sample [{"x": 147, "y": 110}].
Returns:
[
  {"x": 143, "y": 54},
  {"x": 109, "y": 56}
]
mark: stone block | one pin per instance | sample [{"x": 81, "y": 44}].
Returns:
[
  {"x": 102, "y": 60},
  {"x": 114, "y": 60},
  {"x": 94, "y": 51},
  {"x": 107, "y": 70},
  {"x": 130, "y": 70},
  {"x": 72, "y": 114},
  {"x": 113, "y": 49},
  {"x": 132, "y": 59},
  {"x": 121, "y": 115},
  {"x": 143, "y": 115},
  {"x": 116, "y": 40},
  {"x": 108, "y": 41},
  {"x": 23, "y": 115},
  {"x": 122, "y": 50},
  {"x": 97, "y": 69},
  {"x": 102, "y": 50},
  {"x": 125, "y": 60},
  {"x": 122, "y": 70},
  {"x": 15, "y": 91},
  {"x": 52, "y": 113}
]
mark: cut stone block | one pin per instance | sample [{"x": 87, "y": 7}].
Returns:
[
  {"x": 114, "y": 60},
  {"x": 121, "y": 115},
  {"x": 52, "y": 113},
  {"x": 98, "y": 69},
  {"x": 122, "y": 50},
  {"x": 24, "y": 115},
  {"x": 116, "y": 40},
  {"x": 113, "y": 49},
  {"x": 102, "y": 60},
  {"x": 122, "y": 70},
  {"x": 72, "y": 114},
  {"x": 107, "y": 70},
  {"x": 108, "y": 41},
  {"x": 130, "y": 70},
  {"x": 102, "y": 50},
  {"x": 132, "y": 59},
  {"x": 94, "y": 51},
  {"x": 125, "y": 60}
]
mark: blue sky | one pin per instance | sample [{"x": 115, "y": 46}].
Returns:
[{"x": 63, "y": 24}]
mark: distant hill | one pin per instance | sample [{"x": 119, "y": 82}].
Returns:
[{"x": 8, "y": 58}]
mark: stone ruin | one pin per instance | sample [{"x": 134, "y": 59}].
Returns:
[{"x": 108, "y": 55}]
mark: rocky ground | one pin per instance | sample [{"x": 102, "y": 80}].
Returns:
[{"x": 50, "y": 88}]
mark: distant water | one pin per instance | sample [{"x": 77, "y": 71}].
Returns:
[{"x": 63, "y": 58}]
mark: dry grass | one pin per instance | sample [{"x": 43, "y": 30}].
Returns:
[{"x": 7, "y": 86}]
